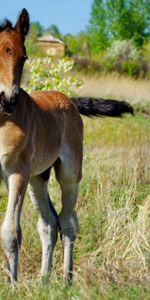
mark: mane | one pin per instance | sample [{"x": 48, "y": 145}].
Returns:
[{"x": 6, "y": 25}]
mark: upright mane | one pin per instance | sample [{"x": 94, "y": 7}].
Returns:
[{"x": 6, "y": 25}]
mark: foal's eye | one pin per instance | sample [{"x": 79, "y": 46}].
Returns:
[{"x": 9, "y": 51}]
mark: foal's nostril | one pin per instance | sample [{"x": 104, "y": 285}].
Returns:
[{"x": 2, "y": 97}]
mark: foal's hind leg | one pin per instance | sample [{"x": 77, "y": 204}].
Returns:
[
  {"x": 47, "y": 224},
  {"x": 68, "y": 179}
]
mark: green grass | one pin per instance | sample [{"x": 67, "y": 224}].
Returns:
[
  {"x": 112, "y": 250},
  {"x": 56, "y": 291}
]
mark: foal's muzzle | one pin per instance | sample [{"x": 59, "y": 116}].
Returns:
[{"x": 8, "y": 105}]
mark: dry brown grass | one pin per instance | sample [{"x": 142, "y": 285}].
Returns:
[{"x": 115, "y": 87}]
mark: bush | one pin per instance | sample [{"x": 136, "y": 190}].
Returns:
[
  {"x": 123, "y": 50},
  {"x": 131, "y": 68},
  {"x": 46, "y": 74},
  {"x": 123, "y": 57}
]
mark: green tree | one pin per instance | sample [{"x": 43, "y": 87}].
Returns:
[
  {"x": 129, "y": 19},
  {"x": 119, "y": 20},
  {"x": 98, "y": 27}
]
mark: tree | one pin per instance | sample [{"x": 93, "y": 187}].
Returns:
[
  {"x": 98, "y": 26},
  {"x": 119, "y": 20},
  {"x": 129, "y": 19}
]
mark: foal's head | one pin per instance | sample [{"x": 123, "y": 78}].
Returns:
[{"x": 12, "y": 58}]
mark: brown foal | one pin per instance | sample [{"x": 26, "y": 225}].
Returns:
[{"x": 38, "y": 132}]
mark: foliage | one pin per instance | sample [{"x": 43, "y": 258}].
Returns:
[
  {"x": 125, "y": 58},
  {"x": 120, "y": 19},
  {"x": 79, "y": 44},
  {"x": 129, "y": 20},
  {"x": 71, "y": 45},
  {"x": 98, "y": 27},
  {"x": 47, "y": 74},
  {"x": 124, "y": 49},
  {"x": 122, "y": 57},
  {"x": 83, "y": 42}
]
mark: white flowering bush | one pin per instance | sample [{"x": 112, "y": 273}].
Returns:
[
  {"x": 123, "y": 57},
  {"x": 123, "y": 49},
  {"x": 46, "y": 74}
]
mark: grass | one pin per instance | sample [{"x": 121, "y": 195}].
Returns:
[
  {"x": 115, "y": 87},
  {"x": 57, "y": 291},
  {"x": 112, "y": 250}
]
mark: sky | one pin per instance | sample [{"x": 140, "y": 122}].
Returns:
[{"x": 71, "y": 16}]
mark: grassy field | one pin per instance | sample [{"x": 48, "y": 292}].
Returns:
[
  {"x": 112, "y": 250},
  {"x": 115, "y": 87}
]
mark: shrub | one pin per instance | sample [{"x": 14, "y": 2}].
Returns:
[
  {"x": 46, "y": 74},
  {"x": 130, "y": 68},
  {"x": 123, "y": 50},
  {"x": 124, "y": 58}
]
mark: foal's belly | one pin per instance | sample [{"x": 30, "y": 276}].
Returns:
[{"x": 42, "y": 161}]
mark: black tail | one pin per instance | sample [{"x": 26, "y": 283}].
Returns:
[{"x": 91, "y": 107}]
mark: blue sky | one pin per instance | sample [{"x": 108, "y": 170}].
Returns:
[{"x": 71, "y": 16}]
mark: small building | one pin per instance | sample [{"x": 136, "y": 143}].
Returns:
[{"x": 51, "y": 45}]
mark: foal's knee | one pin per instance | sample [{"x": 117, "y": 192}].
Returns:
[{"x": 48, "y": 230}]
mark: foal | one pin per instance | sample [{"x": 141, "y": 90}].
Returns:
[{"x": 38, "y": 132}]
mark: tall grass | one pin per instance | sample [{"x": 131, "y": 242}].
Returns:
[
  {"x": 115, "y": 87},
  {"x": 116, "y": 178}
]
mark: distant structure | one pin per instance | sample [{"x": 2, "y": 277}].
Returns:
[{"x": 51, "y": 45}]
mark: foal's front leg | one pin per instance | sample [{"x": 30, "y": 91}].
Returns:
[{"x": 11, "y": 230}]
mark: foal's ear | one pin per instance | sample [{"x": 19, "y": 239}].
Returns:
[{"x": 23, "y": 23}]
